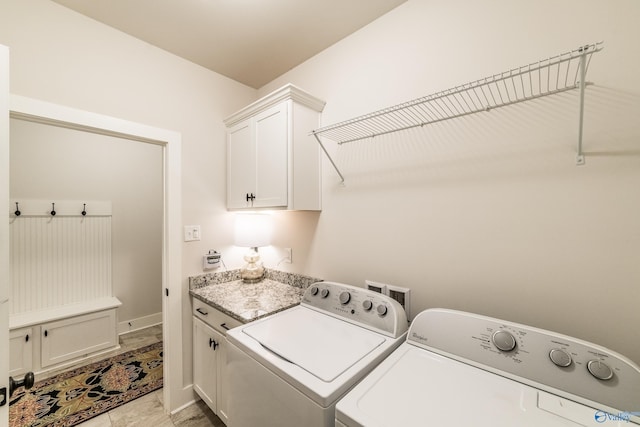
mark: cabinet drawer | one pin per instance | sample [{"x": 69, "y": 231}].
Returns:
[{"x": 216, "y": 319}]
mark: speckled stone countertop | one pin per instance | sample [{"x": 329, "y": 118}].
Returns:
[{"x": 247, "y": 302}]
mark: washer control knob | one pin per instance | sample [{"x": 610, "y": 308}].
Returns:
[
  {"x": 560, "y": 357},
  {"x": 324, "y": 293},
  {"x": 382, "y": 310},
  {"x": 314, "y": 290},
  {"x": 600, "y": 370},
  {"x": 367, "y": 305},
  {"x": 345, "y": 297},
  {"x": 504, "y": 340}
]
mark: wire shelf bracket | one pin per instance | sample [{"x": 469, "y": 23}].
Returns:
[{"x": 557, "y": 74}]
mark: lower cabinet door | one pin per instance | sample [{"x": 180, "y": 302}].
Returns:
[
  {"x": 20, "y": 351},
  {"x": 206, "y": 347},
  {"x": 78, "y": 336}
]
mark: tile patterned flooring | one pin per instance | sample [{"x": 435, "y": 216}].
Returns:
[{"x": 148, "y": 411}]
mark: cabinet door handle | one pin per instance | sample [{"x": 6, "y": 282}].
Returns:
[
  {"x": 201, "y": 311},
  {"x": 250, "y": 197},
  {"x": 26, "y": 339},
  {"x": 224, "y": 326},
  {"x": 46, "y": 333},
  {"x": 213, "y": 344}
]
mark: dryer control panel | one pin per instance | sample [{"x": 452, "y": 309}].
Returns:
[
  {"x": 557, "y": 363},
  {"x": 359, "y": 306}
]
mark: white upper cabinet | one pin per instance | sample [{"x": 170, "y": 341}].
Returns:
[{"x": 273, "y": 161}]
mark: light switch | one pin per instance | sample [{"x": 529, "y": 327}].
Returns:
[{"x": 191, "y": 233}]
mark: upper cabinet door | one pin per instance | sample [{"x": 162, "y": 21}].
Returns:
[
  {"x": 241, "y": 160},
  {"x": 272, "y": 146},
  {"x": 273, "y": 161}
]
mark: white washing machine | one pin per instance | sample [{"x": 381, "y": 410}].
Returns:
[
  {"x": 462, "y": 369},
  {"x": 291, "y": 368}
]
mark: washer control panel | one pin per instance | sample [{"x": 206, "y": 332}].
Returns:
[
  {"x": 359, "y": 306},
  {"x": 543, "y": 358}
]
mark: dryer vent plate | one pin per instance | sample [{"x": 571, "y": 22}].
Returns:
[{"x": 402, "y": 295}]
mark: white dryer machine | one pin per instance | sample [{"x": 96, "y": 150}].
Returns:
[
  {"x": 463, "y": 369},
  {"x": 290, "y": 369}
]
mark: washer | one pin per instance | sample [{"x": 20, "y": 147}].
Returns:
[
  {"x": 463, "y": 369},
  {"x": 291, "y": 368}
]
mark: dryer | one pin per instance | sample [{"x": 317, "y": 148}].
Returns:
[
  {"x": 290, "y": 369},
  {"x": 463, "y": 369}
]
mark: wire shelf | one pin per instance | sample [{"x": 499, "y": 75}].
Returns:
[{"x": 546, "y": 77}]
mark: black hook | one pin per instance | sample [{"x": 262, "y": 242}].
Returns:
[
  {"x": 84, "y": 209},
  {"x": 53, "y": 209},
  {"x": 17, "y": 212}
]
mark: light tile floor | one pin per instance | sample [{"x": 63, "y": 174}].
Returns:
[{"x": 148, "y": 410}]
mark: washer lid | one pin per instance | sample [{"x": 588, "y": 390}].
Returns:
[{"x": 320, "y": 344}]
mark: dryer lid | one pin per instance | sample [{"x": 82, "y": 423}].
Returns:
[
  {"x": 415, "y": 387},
  {"x": 320, "y": 344}
]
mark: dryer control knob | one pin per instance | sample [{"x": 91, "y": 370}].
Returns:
[
  {"x": 314, "y": 290},
  {"x": 324, "y": 293},
  {"x": 367, "y": 305},
  {"x": 504, "y": 340},
  {"x": 345, "y": 297},
  {"x": 560, "y": 357},
  {"x": 382, "y": 310},
  {"x": 600, "y": 370}
]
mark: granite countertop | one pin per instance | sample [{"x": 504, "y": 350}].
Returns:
[{"x": 246, "y": 302}]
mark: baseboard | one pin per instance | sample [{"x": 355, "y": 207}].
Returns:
[{"x": 139, "y": 323}]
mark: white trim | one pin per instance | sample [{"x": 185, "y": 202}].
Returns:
[
  {"x": 49, "y": 315},
  {"x": 33, "y": 207},
  {"x": 288, "y": 91},
  {"x": 139, "y": 323},
  {"x": 4, "y": 228},
  {"x": 175, "y": 395},
  {"x": 186, "y": 405}
]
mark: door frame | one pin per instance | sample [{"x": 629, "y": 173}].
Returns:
[
  {"x": 4, "y": 231},
  {"x": 175, "y": 394}
]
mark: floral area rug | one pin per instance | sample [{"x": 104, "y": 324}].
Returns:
[{"x": 75, "y": 396}]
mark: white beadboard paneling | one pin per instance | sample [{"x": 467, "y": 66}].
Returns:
[{"x": 61, "y": 260}]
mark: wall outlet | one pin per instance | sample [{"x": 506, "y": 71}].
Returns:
[{"x": 191, "y": 233}]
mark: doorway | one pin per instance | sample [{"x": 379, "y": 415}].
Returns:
[{"x": 27, "y": 109}]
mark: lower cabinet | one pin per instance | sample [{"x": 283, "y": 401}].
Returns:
[
  {"x": 210, "y": 380},
  {"x": 207, "y": 347},
  {"x": 20, "y": 351},
  {"x": 44, "y": 345},
  {"x": 70, "y": 339}
]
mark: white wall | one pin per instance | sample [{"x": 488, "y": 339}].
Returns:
[
  {"x": 487, "y": 213},
  {"x": 54, "y": 163},
  {"x": 62, "y": 57}
]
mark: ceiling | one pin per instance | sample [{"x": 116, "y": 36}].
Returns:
[{"x": 250, "y": 41}]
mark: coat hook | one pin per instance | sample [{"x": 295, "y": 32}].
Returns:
[
  {"x": 84, "y": 209},
  {"x": 53, "y": 209},
  {"x": 17, "y": 212}
]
